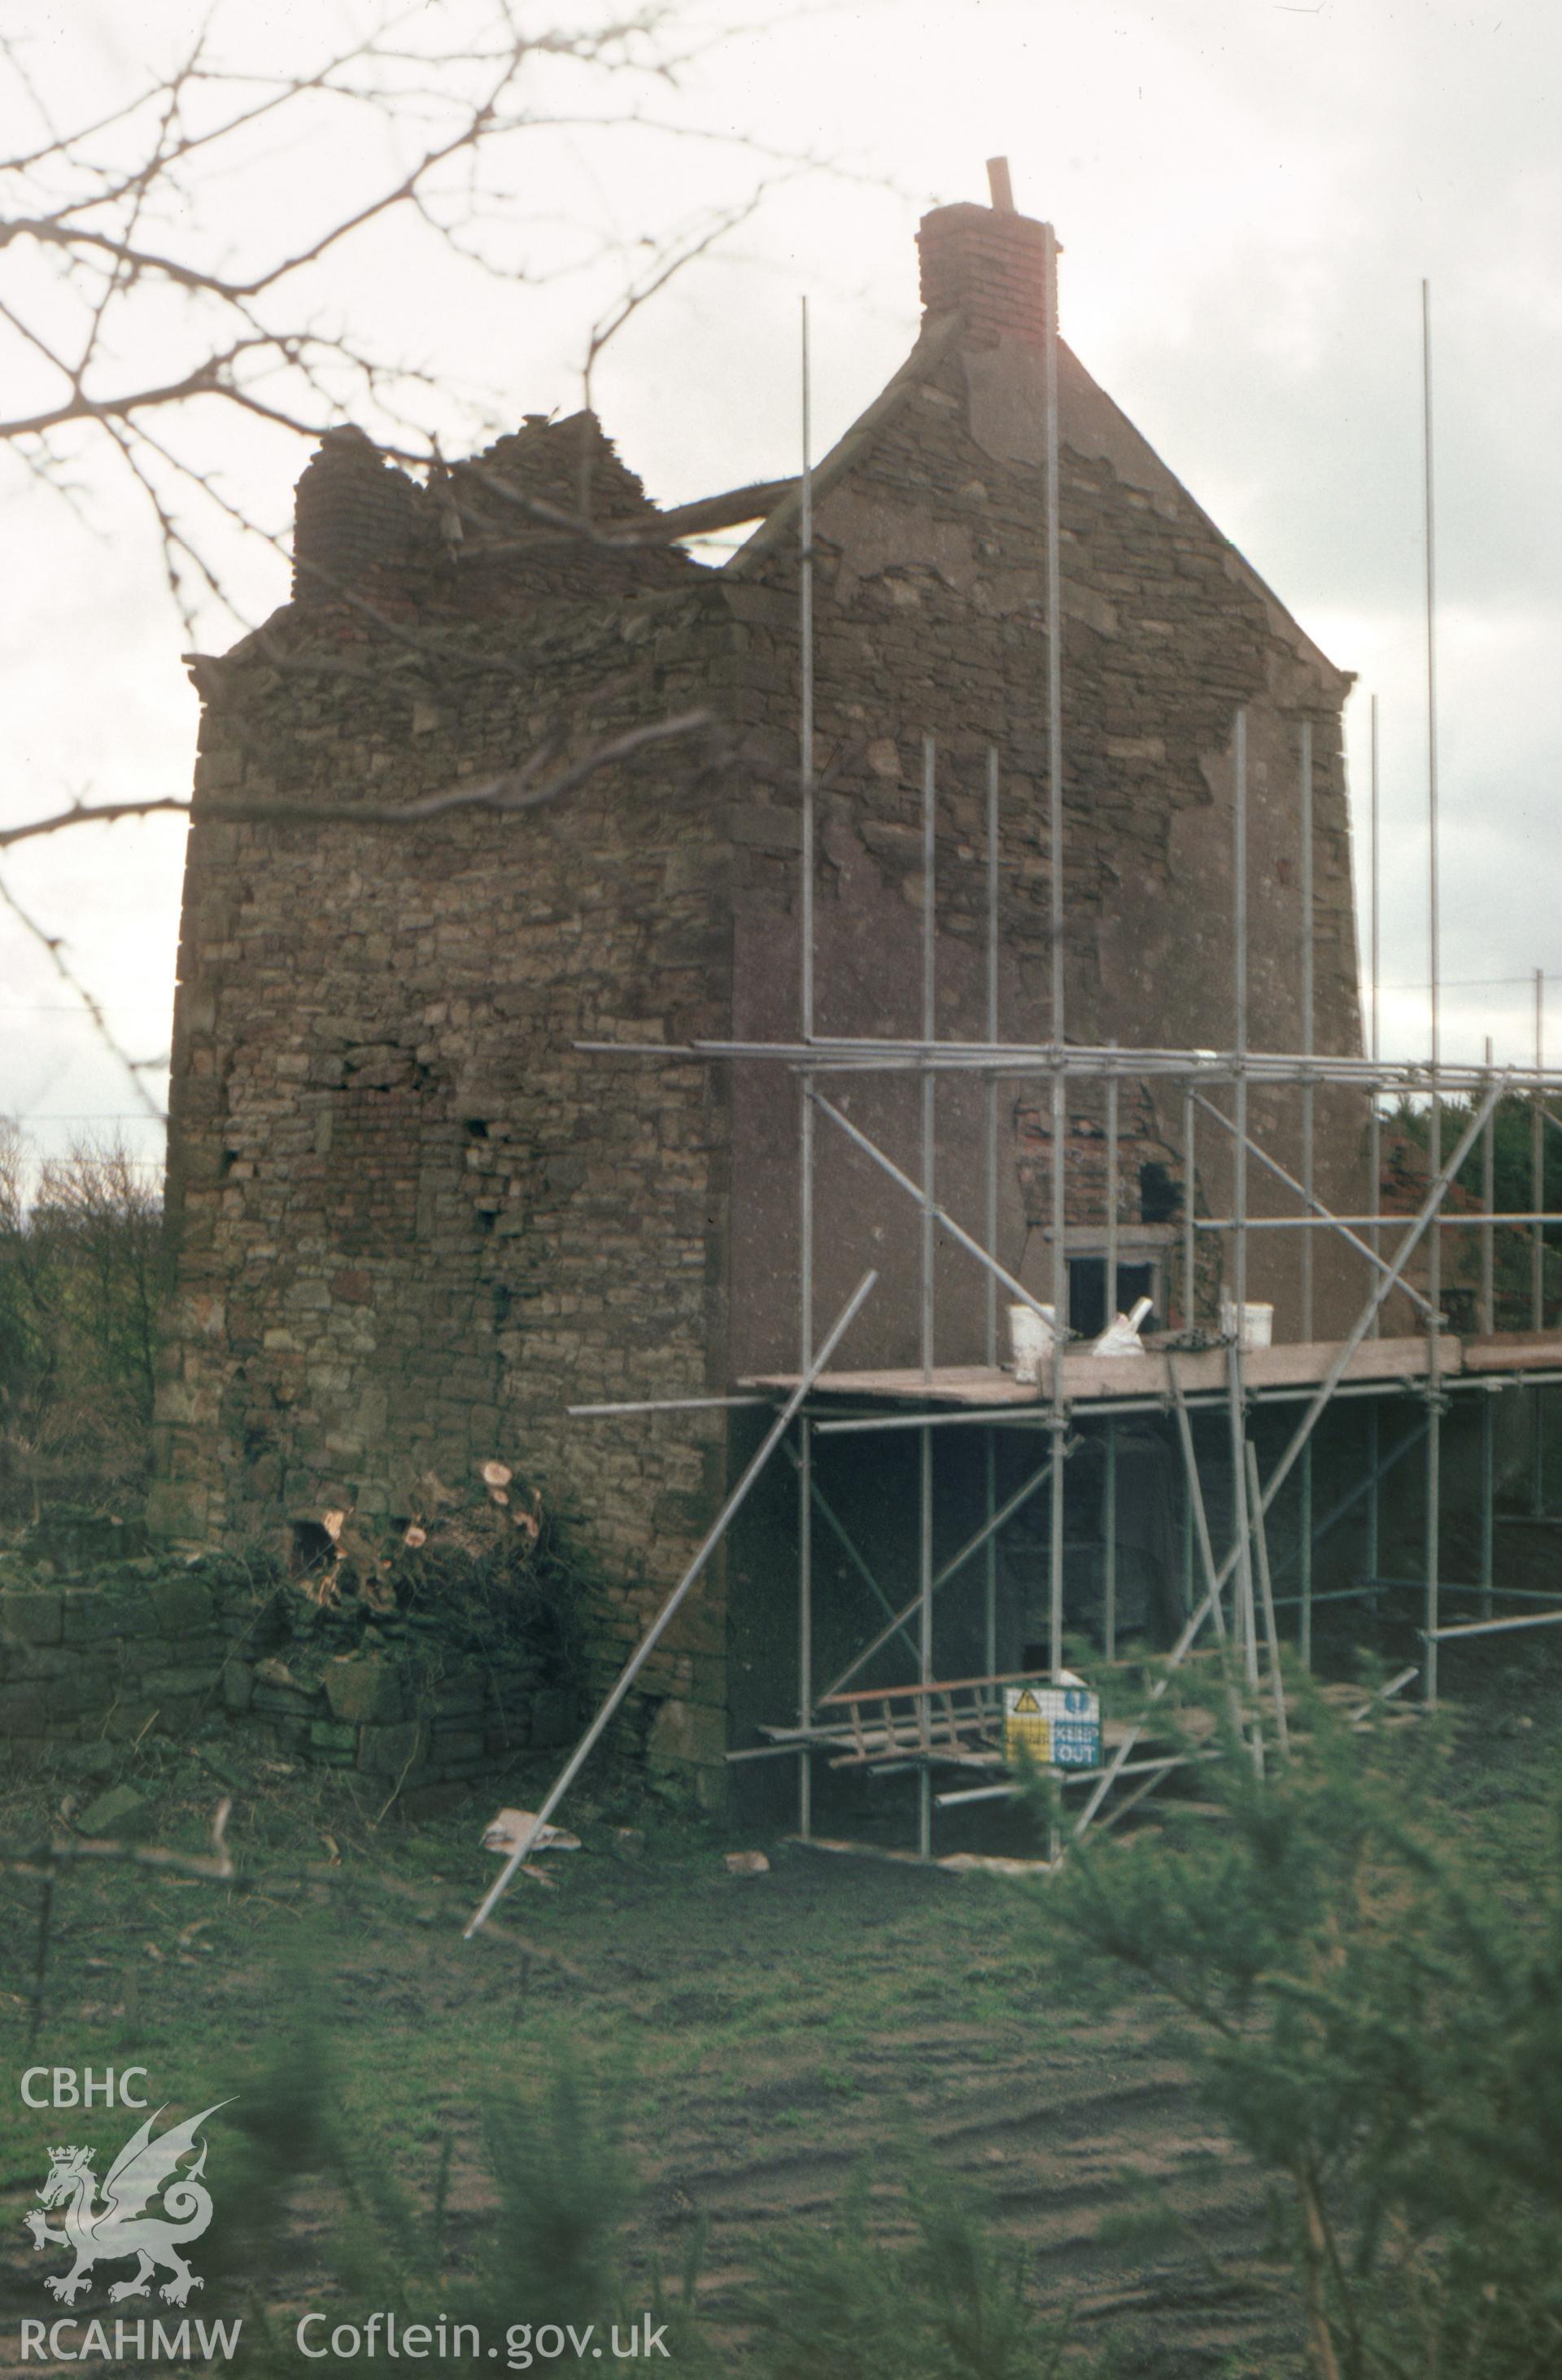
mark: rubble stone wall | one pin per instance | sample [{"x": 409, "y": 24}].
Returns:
[
  {"x": 97, "y": 1665},
  {"x": 930, "y": 605},
  {"x": 416, "y": 1222}
]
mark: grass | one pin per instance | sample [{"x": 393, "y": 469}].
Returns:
[
  {"x": 766, "y": 2035},
  {"x": 689, "y": 1972}
]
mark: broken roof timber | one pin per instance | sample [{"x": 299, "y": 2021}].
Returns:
[{"x": 728, "y": 510}]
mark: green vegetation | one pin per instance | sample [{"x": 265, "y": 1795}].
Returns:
[
  {"x": 1026, "y": 2129},
  {"x": 81, "y": 1279},
  {"x": 1376, "y": 2017},
  {"x": 1514, "y": 1187}
]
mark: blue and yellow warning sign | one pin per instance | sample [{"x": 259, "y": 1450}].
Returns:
[{"x": 1060, "y": 1727}]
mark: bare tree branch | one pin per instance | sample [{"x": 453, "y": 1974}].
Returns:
[
  {"x": 516, "y": 789},
  {"x": 135, "y": 225},
  {"x": 54, "y": 945}
]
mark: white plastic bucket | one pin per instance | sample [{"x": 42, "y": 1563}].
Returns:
[
  {"x": 1257, "y": 1323},
  {"x": 1032, "y": 1339}
]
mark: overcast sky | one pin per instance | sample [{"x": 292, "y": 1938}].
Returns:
[{"x": 1248, "y": 194}]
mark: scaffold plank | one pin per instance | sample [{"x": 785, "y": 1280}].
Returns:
[{"x": 1086, "y": 1378}]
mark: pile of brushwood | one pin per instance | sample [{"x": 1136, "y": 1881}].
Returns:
[{"x": 479, "y": 1566}]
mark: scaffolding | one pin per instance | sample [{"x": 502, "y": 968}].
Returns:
[{"x": 937, "y": 1728}]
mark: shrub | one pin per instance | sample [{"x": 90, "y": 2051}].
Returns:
[
  {"x": 81, "y": 1279},
  {"x": 1376, "y": 2021}
]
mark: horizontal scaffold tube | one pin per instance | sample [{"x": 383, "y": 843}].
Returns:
[{"x": 1098, "y": 1061}]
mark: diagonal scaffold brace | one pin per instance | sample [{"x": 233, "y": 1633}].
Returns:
[
  {"x": 664, "y": 1618},
  {"x": 1412, "y": 1240}
]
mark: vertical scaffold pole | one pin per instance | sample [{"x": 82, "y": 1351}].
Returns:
[
  {"x": 929, "y": 1034},
  {"x": 1537, "y": 1240},
  {"x": 1055, "y": 834},
  {"x": 1308, "y": 1118},
  {"x": 1109, "y": 1547},
  {"x": 1239, "y": 1147},
  {"x": 1239, "y": 994},
  {"x": 1112, "y": 1194},
  {"x": 1190, "y": 1302},
  {"x": 1537, "y": 1170},
  {"x": 805, "y": 1109},
  {"x": 1433, "y": 1499},
  {"x": 1212, "y": 1576},
  {"x": 1110, "y": 1466},
  {"x": 1271, "y": 1634},
  {"x": 1434, "y": 920},
  {"x": 989, "y": 1144},
  {"x": 1488, "y": 1499},
  {"x": 1375, "y": 946},
  {"x": 1488, "y": 1324},
  {"x": 1190, "y": 1204},
  {"x": 1305, "y": 792},
  {"x": 1243, "y": 1629},
  {"x": 1374, "y": 1151},
  {"x": 1489, "y": 1201}
]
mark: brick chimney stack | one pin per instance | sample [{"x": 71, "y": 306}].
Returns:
[
  {"x": 352, "y": 511},
  {"x": 989, "y": 263}
]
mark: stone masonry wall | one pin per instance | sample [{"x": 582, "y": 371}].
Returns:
[
  {"x": 414, "y": 1223},
  {"x": 95, "y": 1664},
  {"x": 930, "y": 604}
]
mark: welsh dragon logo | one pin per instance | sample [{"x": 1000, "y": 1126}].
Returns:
[{"x": 121, "y": 2226}]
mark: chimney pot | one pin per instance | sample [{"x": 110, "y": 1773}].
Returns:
[{"x": 1001, "y": 189}]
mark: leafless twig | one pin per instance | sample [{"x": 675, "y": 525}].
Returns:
[
  {"x": 54, "y": 945},
  {"x": 516, "y": 789}
]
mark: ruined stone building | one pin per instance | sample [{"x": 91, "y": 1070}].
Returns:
[{"x": 416, "y": 1221}]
